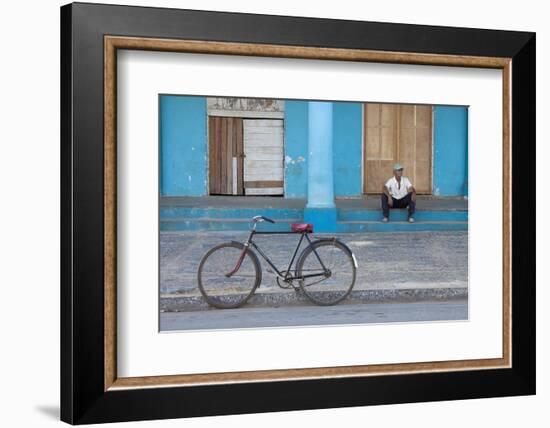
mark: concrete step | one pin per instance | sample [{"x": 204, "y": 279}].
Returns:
[
  {"x": 231, "y": 224},
  {"x": 399, "y": 226},
  {"x": 186, "y": 218},
  {"x": 402, "y": 214}
]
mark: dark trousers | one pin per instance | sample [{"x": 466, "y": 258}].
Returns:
[{"x": 398, "y": 203}]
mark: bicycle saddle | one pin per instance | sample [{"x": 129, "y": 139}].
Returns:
[{"x": 302, "y": 227}]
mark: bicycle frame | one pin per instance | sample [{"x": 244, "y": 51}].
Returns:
[{"x": 287, "y": 277}]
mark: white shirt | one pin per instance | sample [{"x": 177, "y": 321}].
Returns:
[{"x": 398, "y": 190}]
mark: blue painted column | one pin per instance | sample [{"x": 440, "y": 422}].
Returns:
[{"x": 320, "y": 209}]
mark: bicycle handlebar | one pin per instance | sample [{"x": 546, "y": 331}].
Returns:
[{"x": 262, "y": 218}]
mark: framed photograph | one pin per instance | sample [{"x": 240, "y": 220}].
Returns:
[{"x": 265, "y": 213}]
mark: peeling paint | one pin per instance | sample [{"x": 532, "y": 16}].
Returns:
[
  {"x": 290, "y": 161},
  {"x": 246, "y": 104},
  {"x": 296, "y": 138}
]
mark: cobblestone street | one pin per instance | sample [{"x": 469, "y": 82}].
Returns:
[{"x": 385, "y": 260}]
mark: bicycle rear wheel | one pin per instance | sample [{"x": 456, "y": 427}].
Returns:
[
  {"x": 227, "y": 292},
  {"x": 332, "y": 285}
]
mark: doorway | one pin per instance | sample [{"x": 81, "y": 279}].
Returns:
[
  {"x": 397, "y": 133},
  {"x": 246, "y": 156}
]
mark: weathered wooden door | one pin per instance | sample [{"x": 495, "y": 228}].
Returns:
[
  {"x": 397, "y": 133},
  {"x": 380, "y": 150},
  {"x": 225, "y": 169},
  {"x": 415, "y": 145},
  {"x": 263, "y": 162}
]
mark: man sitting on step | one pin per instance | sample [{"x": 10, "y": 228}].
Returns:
[{"x": 398, "y": 192}]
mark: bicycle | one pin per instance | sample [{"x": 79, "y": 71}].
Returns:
[{"x": 230, "y": 273}]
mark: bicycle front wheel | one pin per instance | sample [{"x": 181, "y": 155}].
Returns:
[
  {"x": 328, "y": 272},
  {"x": 218, "y": 287}
]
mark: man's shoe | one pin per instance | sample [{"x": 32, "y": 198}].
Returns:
[
  {"x": 411, "y": 219},
  {"x": 385, "y": 220}
]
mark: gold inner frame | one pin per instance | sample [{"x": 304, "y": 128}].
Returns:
[{"x": 112, "y": 43}]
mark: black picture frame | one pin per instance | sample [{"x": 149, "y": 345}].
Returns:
[{"x": 83, "y": 398}]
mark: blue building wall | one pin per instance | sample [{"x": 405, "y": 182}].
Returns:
[
  {"x": 295, "y": 143},
  {"x": 347, "y": 148},
  {"x": 183, "y": 146},
  {"x": 450, "y": 157}
]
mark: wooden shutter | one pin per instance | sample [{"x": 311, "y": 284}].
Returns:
[
  {"x": 225, "y": 166},
  {"x": 264, "y": 158}
]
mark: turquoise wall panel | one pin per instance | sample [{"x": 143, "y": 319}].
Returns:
[
  {"x": 183, "y": 146},
  {"x": 296, "y": 140},
  {"x": 450, "y": 169},
  {"x": 347, "y": 142}
]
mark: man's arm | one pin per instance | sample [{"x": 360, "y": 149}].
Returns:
[
  {"x": 412, "y": 190},
  {"x": 386, "y": 192}
]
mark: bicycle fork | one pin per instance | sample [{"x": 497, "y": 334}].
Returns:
[
  {"x": 239, "y": 262},
  {"x": 243, "y": 254}
]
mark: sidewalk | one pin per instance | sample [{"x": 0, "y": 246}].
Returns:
[
  {"x": 354, "y": 215},
  {"x": 407, "y": 266}
]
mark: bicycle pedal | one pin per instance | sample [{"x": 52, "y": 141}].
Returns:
[{"x": 269, "y": 270}]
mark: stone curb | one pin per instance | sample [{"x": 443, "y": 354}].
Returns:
[{"x": 399, "y": 295}]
